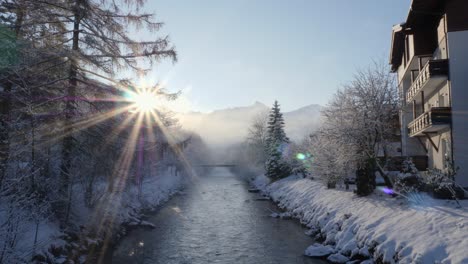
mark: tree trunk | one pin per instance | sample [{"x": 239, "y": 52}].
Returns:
[
  {"x": 35, "y": 239},
  {"x": 5, "y": 106},
  {"x": 4, "y": 131},
  {"x": 33, "y": 154},
  {"x": 388, "y": 181},
  {"x": 364, "y": 181},
  {"x": 67, "y": 144}
]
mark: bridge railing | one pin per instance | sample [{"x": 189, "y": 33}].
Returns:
[{"x": 215, "y": 165}]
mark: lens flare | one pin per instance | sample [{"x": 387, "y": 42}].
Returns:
[
  {"x": 387, "y": 190},
  {"x": 143, "y": 101},
  {"x": 300, "y": 156},
  {"x": 137, "y": 124}
]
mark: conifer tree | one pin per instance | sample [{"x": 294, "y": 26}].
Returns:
[
  {"x": 276, "y": 165},
  {"x": 62, "y": 47},
  {"x": 100, "y": 41}
]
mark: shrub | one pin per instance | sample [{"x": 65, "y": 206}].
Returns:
[{"x": 409, "y": 180}]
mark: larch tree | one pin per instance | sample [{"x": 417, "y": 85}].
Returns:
[
  {"x": 59, "y": 71},
  {"x": 58, "y": 48},
  {"x": 97, "y": 45},
  {"x": 26, "y": 69}
]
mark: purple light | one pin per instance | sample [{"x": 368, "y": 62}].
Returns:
[{"x": 388, "y": 190}]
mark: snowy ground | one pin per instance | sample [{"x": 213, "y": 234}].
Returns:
[
  {"x": 127, "y": 211},
  {"x": 393, "y": 230}
]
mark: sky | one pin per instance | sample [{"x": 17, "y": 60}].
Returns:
[{"x": 299, "y": 52}]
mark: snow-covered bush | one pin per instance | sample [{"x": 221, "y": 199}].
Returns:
[
  {"x": 298, "y": 159},
  {"x": 298, "y": 168},
  {"x": 442, "y": 182},
  {"x": 328, "y": 163},
  {"x": 409, "y": 180}
]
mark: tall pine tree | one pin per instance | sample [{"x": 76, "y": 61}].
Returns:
[{"x": 276, "y": 165}]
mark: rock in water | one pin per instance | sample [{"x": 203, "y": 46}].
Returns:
[
  {"x": 147, "y": 224},
  {"x": 318, "y": 250},
  {"x": 337, "y": 258}
]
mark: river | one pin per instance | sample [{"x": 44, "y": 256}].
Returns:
[{"x": 215, "y": 220}]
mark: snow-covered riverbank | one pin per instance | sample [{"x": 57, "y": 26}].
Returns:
[
  {"x": 385, "y": 229},
  {"x": 54, "y": 246}
]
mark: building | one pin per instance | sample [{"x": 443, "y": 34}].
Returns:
[{"x": 429, "y": 54}]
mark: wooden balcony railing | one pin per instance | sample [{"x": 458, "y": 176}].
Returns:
[
  {"x": 436, "y": 119},
  {"x": 432, "y": 69}
]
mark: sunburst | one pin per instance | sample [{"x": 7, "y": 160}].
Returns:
[
  {"x": 142, "y": 106},
  {"x": 143, "y": 101}
]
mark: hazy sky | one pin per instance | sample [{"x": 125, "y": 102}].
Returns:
[{"x": 234, "y": 52}]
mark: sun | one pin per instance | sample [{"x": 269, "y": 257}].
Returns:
[{"x": 144, "y": 101}]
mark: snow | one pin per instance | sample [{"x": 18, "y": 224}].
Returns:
[
  {"x": 284, "y": 215},
  {"x": 392, "y": 230},
  {"x": 260, "y": 182},
  {"x": 337, "y": 258},
  {"x": 318, "y": 250},
  {"x": 156, "y": 190},
  {"x": 47, "y": 234}
]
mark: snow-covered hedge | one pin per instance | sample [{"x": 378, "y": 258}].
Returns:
[{"x": 391, "y": 230}]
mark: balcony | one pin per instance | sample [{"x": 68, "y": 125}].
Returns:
[
  {"x": 433, "y": 74},
  {"x": 436, "y": 119}
]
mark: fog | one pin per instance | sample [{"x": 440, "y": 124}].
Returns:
[
  {"x": 224, "y": 130},
  {"x": 226, "y": 127}
]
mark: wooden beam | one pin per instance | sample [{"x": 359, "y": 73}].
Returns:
[
  {"x": 422, "y": 144},
  {"x": 432, "y": 142},
  {"x": 422, "y": 101}
]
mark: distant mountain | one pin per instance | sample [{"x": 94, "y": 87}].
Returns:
[
  {"x": 229, "y": 126},
  {"x": 302, "y": 122}
]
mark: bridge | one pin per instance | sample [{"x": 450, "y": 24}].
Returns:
[{"x": 216, "y": 165}]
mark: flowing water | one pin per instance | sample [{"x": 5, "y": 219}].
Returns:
[{"x": 216, "y": 220}]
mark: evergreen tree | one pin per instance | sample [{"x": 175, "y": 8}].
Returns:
[
  {"x": 276, "y": 165},
  {"x": 68, "y": 44}
]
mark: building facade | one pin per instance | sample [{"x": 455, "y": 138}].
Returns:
[{"x": 429, "y": 54}]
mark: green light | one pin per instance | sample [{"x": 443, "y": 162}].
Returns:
[{"x": 300, "y": 156}]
